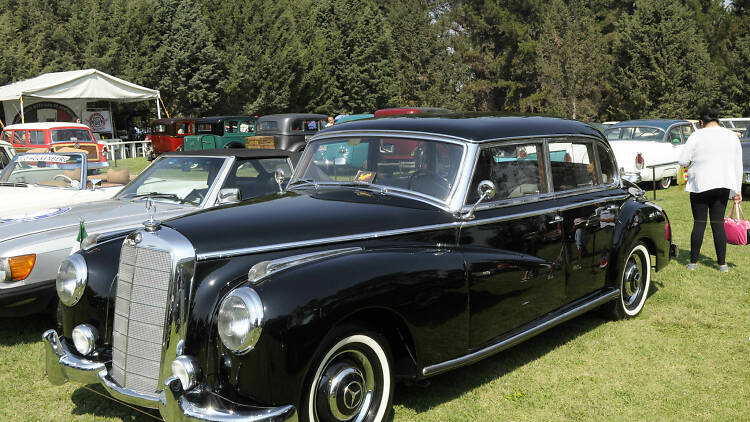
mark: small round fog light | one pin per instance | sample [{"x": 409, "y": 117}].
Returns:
[
  {"x": 84, "y": 338},
  {"x": 186, "y": 369}
]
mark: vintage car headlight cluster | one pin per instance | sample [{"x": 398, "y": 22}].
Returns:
[
  {"x": 71, "y": 279},
  {"x": 240, "y": 320},
  {"x": 16, "y": 268},
  {"x": 84, "y": 338}
]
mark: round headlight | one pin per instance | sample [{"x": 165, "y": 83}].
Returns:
[
  {"x": 71, "y": 279},
  {"x": 84, "y": 338},
  {"x": 240, "y": 319},
  {"x": 186, "y": 370}
]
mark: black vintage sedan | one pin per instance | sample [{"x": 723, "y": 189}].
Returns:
[{"x": 439, "y": 241}]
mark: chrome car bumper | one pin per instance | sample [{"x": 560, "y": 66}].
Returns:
[
  {"x": 62, "y": 364},
  {"x": 633, "y": 177}
]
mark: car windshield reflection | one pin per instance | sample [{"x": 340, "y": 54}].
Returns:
[
  {"x": 184, "y": 180},
  {"x": 423, "y": 166},
  {"x": 47, "y": 170}
]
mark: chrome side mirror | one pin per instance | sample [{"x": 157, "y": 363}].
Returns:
[
  {"x": 486, "y": 190},
  {"x": 278, "y": 175},
  {"x": 229, "y": 196}
]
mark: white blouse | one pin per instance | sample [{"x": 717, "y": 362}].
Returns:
[{"x": 713, "y": 156}]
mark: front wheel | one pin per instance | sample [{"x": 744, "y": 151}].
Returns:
[
  {"x": 635, "y": 280},
  {"x": 351, "y": 381}
]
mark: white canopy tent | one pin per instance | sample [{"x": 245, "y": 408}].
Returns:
[{"x": 71, "y": 90}]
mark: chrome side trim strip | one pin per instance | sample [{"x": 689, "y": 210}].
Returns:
[
  {"x": 518, "y": 338},
  {"x": 264, "y": 269},
  {"x": 326, "y": 240},
  {"x": 386, "y": 233}
]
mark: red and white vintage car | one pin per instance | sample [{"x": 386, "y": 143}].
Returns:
[{"x": 56, "y": 137}]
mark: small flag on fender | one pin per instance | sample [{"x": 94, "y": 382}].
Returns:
[{"x": 79, "y": 239}]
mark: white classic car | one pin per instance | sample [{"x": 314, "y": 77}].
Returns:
[
  {"x": 648, "y": 150},
  {"x": 37, "y": 184},
  {"x": 6, "y": 153}
]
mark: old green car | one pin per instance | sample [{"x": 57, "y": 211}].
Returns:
[{"x": 220, "y": 132}]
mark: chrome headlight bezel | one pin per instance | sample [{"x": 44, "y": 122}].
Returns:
[
  {"x": 5, "y": 274},
  {"x": 85, "y": 337},
  {"x": 187, "y": 370},
  {"x": 240, "y": 320},
  {"x": 72, "y": 275}
]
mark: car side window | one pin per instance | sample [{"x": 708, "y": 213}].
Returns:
[
  {"x": 607, "y": 168},
  {"x": 516, "y": 171},
  {"x": 4, "y": 158},
  {"x": 36, "y": 137},
  {"x": 247, "y": 127},
  {"x": 571, "y": 165},
  {"x": 687, "y": 131},
  {"x": 675, "y": 135},
  {"x": 255, "y": 177},
  {"x": 5, "y": 136}
]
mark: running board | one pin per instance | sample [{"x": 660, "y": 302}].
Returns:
[{"x": 595, "y": 302}]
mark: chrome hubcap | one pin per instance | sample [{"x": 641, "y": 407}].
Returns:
[
  {"x": 345, "y": 389},
  {"x": 632, "y": 283}
]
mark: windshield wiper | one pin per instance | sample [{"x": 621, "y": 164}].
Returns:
[{"x": 159, "y": 196}]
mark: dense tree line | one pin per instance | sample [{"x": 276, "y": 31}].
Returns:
[{"x": 585, "y": 59}]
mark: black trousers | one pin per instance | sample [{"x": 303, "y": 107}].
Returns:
[{"x": 713, "y": 202}]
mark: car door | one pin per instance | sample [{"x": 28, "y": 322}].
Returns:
[
  {"x": 584, "y": 180},
  {"x": 514, "y": 246}
]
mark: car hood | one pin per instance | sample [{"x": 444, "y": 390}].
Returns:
[
  {"x": 20, "y": 200},
  {"x": 111, "y": 214},
  {"x": 281, "y": 221}
]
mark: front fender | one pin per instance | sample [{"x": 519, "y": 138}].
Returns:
[{"x": 425, "y": 288}]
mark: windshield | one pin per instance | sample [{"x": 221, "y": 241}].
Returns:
[
  {"x": 184, "y": 180},
  {"x": 71, "y": 135},
  {"x": 635, "y": 133},
  {"x": 426, "y": 167},
  {"x": 51, "y": 170}
]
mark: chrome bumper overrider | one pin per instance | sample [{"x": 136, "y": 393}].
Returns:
[
  {"x": 632, "y": 177},
  {"x": 174, "y": 404}
]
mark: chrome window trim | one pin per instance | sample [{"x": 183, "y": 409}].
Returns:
[
  {"x": 387, "y": 233},
  {"x": 550, "y": 194},
  {"x": 448, "y": 204},
  {"x": 276, "y": 266}
]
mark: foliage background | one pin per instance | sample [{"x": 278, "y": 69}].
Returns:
[{"x": 583, "y": 59}]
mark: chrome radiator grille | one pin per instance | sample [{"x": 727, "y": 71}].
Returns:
[{"x": 140, "y": 306}]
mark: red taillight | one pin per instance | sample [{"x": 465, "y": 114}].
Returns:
[
  {"x": 667, "y": 232},
  {"x": 639, "y": 162}
]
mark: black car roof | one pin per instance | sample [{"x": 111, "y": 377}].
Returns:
[
  {"x": 309, "y": 116},
  {"x": 472, "y": 127},
  {"x": 213, "y": 119}
]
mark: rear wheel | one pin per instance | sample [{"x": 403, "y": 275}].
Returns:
[
  {"x": 665, "y": 182},
  {"x": 351, "y": 380},
  {"x": 635, "y": 280}
]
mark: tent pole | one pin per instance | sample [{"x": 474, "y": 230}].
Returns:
[
  {"x": 111, "y": 120},
  {"x": 158, "y": 110},
  {"x": 20, "y": 98}
]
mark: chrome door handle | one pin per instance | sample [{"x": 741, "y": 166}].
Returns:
[{"x": 556, "y": 219}]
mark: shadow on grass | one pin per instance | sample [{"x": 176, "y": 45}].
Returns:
[
  {"x": 683, "y": 257},
  {"x": 23, "y": 330},
  {"x": 448, "y": 386},
  {"x": 90, "y": 403}
]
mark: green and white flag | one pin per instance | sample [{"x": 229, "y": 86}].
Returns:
[{"x": 79, "y": 239}]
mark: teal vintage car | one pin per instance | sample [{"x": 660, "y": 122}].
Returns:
[{"x": 220, "y": 132}]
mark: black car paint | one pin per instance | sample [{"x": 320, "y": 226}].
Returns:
[
  {"x": 427, "y": 285},
  {"x": 430, "y": 303}
]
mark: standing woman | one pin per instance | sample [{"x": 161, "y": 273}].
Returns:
[{"x": 713, "y": 156}]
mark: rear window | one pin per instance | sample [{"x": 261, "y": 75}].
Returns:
[
  {"x": 307, "y": 125},
  {"x": 159, "y": 129},
  {"x": 71, "y": 135}
]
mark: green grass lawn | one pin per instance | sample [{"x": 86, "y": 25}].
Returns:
[
  {"x": 685, "y": 358},
  {"x": 135, "y": 165}
]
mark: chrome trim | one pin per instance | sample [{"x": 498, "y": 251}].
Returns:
[
  {"x": 389, "y": 133},
  {"x": 254, "y": 305},
  {"x": 175, "y": 407},
  {"x": 81, "y": 279},
  {"x": 126, "y": 395},
  {"x": 62, "y": 365},
  {"x": 191, "y": 368},
  {"x": 518, "y": 338},
  {"x": 386, "y": 233},
  {"x": 264, "y": 269},
  {"x": 89, "y": 334},
  {"x": 322, "y": 241}
]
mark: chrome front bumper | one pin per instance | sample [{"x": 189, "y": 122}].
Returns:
[
  {"x": 62, "y": 364},
  {"x": 633, "y": 177}
]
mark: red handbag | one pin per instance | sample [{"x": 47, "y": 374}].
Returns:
[{"x": 737, "y": 229}]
